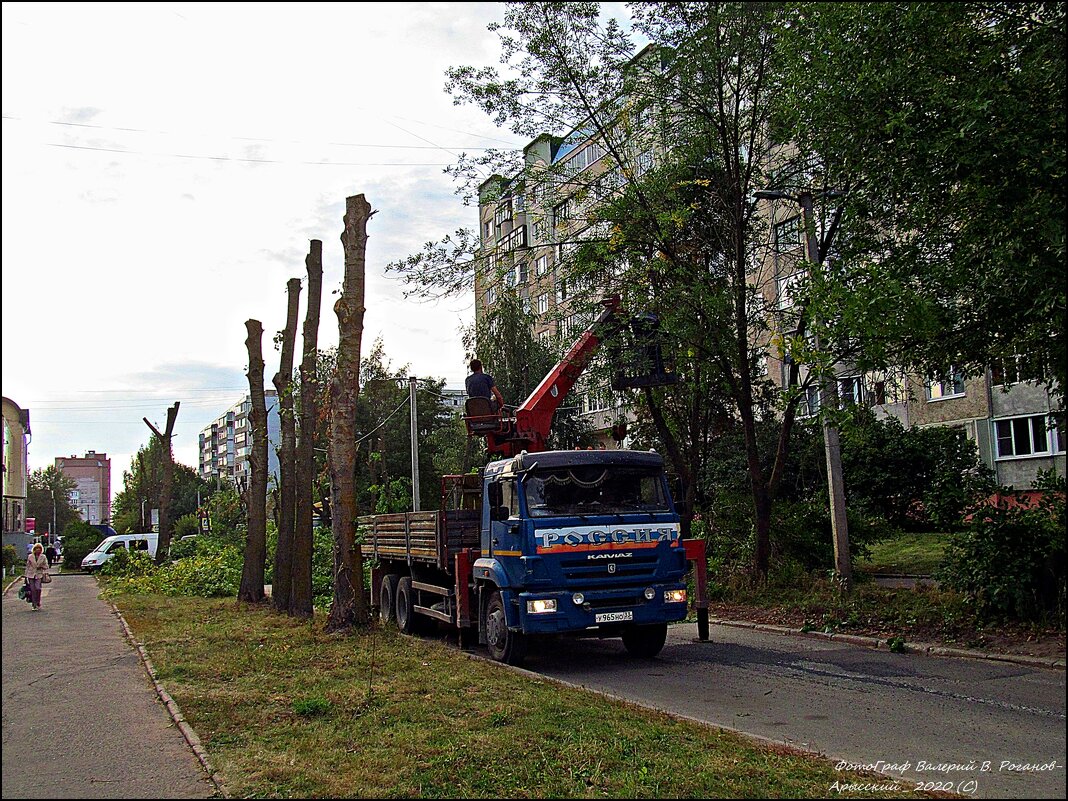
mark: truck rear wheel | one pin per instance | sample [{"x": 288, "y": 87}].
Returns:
[
  {"x": 645, "y": 642},
  {"x": 504, "y": 646},
  {"x": 406, "y": 616},
  {"x": 387, "y": 598}
]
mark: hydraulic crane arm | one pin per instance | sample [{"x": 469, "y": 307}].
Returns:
[
  {"x": 529, "y": 429},
  {"x": 534, "y": 417}
]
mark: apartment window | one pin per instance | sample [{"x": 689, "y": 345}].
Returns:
[
  {"x": 520, "y": 203},
  {"x": 786, "y": 288},
  {"x": 885, "y": 389},
  {"x": 562, "y": 213},
  {"x": 1016, "y": 370},
  {"x": 487, "y": 230},
  {"x": 788, "y": 234},
  {"x": 521, "y": 272},
  {"x": 849, "y": 391},
  {"x": 503, "y": 213},
  {"x": 525, "y": 302},
  {"x": 545, "y": 337},
  {"x": 561, "y": 291},
  {"x": 810, "y": 402},
  {"x": 1026, "y": 436},
  {"x": 491, "y": 295},
  {"x": 951, "y": 386},
  {"x": 543, "y": 303},
  {"x": 584, "y": 158},
  {"x": 541, "y": 232},
  {"x": 644, "y": 162}
]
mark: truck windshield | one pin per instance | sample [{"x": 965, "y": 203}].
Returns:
[{"x": 594, "y": 490}]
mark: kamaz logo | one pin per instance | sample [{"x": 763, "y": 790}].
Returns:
[{"x": 626, "y": 555}]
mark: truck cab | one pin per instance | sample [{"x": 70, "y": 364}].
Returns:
[{"x": 579, "y": 542}]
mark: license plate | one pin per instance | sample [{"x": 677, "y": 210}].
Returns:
[{"x": 612, "y": 617}]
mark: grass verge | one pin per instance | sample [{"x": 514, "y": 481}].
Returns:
[
  {"x": 913, "y": 554},
  {"x": 286, "y": 710},
  {"x": 918, "y": 614}
]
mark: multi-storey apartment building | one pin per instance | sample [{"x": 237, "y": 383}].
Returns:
[
  {"x": 15, "y": 474},
  {"x": 527, "y": 230},
  {"x": 91, "y": 474},
  {"x": 226, "y": 444}
]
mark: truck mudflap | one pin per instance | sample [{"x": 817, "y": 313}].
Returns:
[{"x": 558, "y": 612}]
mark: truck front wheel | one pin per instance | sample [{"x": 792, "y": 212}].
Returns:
[
  {"x": 645, "y": 641},
  {"x": 387, "y": 598},
  {"x": 504, "y": 646}
]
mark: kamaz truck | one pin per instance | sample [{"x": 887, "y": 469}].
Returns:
[{"x": 541, "y": 542}]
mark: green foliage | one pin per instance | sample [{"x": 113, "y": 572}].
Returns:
[
  {"x": 915, "y": 478},
  {"x": 227, "y": 514},
  {"x": 896, "y": 645},
  {"x": 801, "y": 533},
  {"x": 213, "y": 569},
  {"x": 79, "y": 539},
  {"x": 392, "y": 496},
  {"x": 944, "y": 125},
  {"x": 142, "y": 485},
  {"x": 11, "y": 556},
  {"x": 1010, "y": 562},
  {"x": 44, "y": 485},
  {"x": 322, "y": 567},
  {"x": 186, "y": 525}
]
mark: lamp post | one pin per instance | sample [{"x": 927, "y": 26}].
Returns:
[
  {"x": 142, "y": 515},
  {"x": 828, "y": 387},
  {"x": 415, "y": 445},
  {"x": 53, "y": 531}
]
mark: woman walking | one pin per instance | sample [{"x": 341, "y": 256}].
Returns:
[{"x": 36, "y": 569}]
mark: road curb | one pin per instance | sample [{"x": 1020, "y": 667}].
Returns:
[
  {"x": 877, "y": 643},
  {"x": 172, "y": 706}
]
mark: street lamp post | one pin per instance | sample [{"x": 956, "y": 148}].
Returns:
[
  {"x": 828, "y": 397},
  {"x": 53, "y": 531}
]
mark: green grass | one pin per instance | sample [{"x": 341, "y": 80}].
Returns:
[
  {"x": 286, "y": 710},
  {"x": 914, "y": 554}
]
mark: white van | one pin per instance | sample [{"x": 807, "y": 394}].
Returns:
[{"x": 106, "y": 549}]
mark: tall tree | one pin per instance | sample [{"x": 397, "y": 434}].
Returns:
[
  {"x": 945, "y": 124},
  {"x": 166, "y": 483},
  {"x": 683, "y": 130},
  {"x": 283, "y": 383},
  {"x": 130, "y": 513},
  {"x": 48, "y": 497},
  {"x": 349, "y": 606},
  {"x": 252, "y": 574},
  {"x": 300, "y": 602}
]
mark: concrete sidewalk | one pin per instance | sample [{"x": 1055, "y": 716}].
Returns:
[{"x": 80, "y": 717}]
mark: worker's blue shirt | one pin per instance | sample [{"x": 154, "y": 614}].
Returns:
[{"x": 480, "y": 385}]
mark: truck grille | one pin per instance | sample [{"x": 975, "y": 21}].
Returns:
[{"x": 639, "y": 569}]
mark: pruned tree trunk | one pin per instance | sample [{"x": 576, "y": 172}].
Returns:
[
  {"x": 350, "y": 606},
  {"x": 300, "y": 589},
  {"x": 287, "y": 457},
  {"x": 256, "y": 541},
  {"x": 164, "y": 542}
]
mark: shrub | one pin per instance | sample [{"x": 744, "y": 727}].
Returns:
[
  {"x": 801, "y": 532},
  {"x": 79, "y": 538},
  {"x": 11, "y": 556},
  {"x": 185, "y": 526},
  {"x": 1010, "y": 563},
  {"x": 212, "y": 570}
]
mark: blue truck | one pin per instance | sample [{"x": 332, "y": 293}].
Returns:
[{"x": 542, "y": 542}]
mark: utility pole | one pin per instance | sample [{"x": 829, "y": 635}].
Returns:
[
  {"x": 831, "y": 444},
  {"x": 415, "y": 444},
  {"x": 828, "y": 394}
]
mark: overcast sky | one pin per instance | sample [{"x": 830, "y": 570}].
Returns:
[{"x": 164, "y": 167}]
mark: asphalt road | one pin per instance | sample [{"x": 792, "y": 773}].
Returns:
[
  {"x": 80, "y": 717},
  {"x": 940, "y": 720}
]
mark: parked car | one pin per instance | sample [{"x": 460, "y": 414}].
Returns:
[{"x": 106, "y": 549}]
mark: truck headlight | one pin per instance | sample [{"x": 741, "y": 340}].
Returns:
[
  {"x": 674, "y": 596},
  {"x": 541, "y": 606},
  {"x": 578, "y": 599},
  {"x": 650, "y": 593}
]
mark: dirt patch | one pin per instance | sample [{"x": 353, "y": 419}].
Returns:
[{"x": 1016, "y": 640}]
